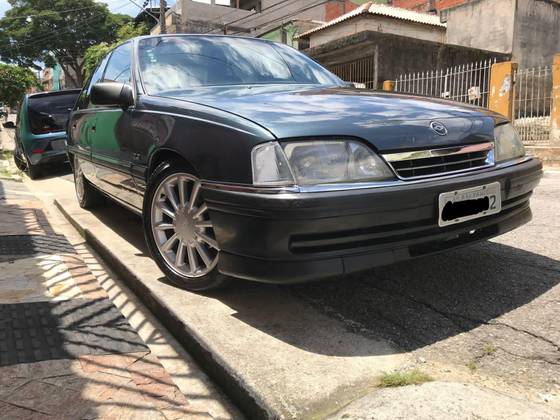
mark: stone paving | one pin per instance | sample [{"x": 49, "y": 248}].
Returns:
[{"x": 65, "y": 350}]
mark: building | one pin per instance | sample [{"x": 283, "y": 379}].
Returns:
[
  {"x": 276, "y": 20},
  {"x": 53, "y": 78},
  {"x": 526, "y": 30},
  {"x": 377, "y": 42}
]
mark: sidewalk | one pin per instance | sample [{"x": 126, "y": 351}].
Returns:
[{"x": 66, "y": 351}]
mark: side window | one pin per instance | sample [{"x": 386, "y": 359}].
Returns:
[
  {"x": 83, "y": 100},
  {"x": 118, "y": 69}
]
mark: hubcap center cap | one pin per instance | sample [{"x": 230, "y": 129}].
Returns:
[{"x": 184, "y": 225}]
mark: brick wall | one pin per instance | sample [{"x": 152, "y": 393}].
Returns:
[
  {"x": 424, "y": 5},
  {"x": 335, "y": 9}
]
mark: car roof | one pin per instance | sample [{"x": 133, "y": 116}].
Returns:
[
  {"x": 205, "y": 36},
  {"x": 53, "y": 93}
]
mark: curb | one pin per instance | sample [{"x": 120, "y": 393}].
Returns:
[{"x": 228, "y": 380}]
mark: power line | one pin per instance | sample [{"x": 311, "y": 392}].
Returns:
[
  {"x": 252, "y": 14},
  {"x": 289, "y": 15}
]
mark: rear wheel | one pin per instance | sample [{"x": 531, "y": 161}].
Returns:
[
  {"x": 179, "y": 231},
  {"x": 20, "y": 164},
  {"x": 88, "y": 196},
  {"x": 34, "y": 171}
]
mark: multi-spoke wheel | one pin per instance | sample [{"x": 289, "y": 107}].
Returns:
[{"x": 179, "y": 230}]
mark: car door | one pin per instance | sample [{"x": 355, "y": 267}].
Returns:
[
  {"x": 111, "y": 153},
  {"x": 82, "y": 123}
]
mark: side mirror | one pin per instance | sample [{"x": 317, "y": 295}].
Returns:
[{"x": 112, "y": 93}]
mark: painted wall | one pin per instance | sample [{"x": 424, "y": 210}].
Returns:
[
  {"x": 529, "y": 30},
  {"x": 537, "y": 33},
  {"x": 487, "y": 25}
]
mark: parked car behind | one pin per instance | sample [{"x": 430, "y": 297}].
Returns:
[
  {"x": 41, "y": 129},
  {"x": 247, "y": 159}
]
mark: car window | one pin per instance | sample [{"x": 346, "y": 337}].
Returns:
[
  {"x": 118, "y": 68},
  {"x": 83, "y": 101},
  {"x": 49, "y": 113},
  {"x": 176, "y": 63}
]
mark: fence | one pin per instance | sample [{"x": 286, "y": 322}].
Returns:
[
  {"x": 362, "y": 70},
  {"x": 532, "y": 104},
  {"x": 467, "y": 83}
]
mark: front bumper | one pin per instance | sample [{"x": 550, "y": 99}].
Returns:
[{"x": 294, "y": 237}]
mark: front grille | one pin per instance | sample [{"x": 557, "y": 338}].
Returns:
[{"x": 425, "y": 163}]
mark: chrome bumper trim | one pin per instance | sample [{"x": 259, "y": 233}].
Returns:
[{"x": 357, "y": 185}]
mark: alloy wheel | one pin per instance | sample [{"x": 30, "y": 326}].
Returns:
[{"x": 181, "y": 226}]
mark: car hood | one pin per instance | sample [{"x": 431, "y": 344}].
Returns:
[{"x": 388, "y": 121}]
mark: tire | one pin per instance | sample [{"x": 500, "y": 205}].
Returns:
[
  {"x": 88, "y": 197},
  {"x": 34, "y": 171},
  {"x": 178, "y": 229},
  {"x": 20, "y": 164}
]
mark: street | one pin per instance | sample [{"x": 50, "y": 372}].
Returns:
[{"x": 482, "y": 315}]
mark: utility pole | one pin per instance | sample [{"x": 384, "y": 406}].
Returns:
[{"x": 162, "y": 7}]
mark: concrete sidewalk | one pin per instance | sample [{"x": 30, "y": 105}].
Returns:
[{"x": 66, "y": 351}]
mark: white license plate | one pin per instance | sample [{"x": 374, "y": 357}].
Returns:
[
  {"x": 470, "y": 203},
  {"x": 58, "y": 144}
]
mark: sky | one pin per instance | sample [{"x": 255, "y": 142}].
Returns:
[{"x": 116, "y": 6}]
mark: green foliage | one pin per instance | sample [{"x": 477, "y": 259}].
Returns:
[
  {"x": 60, "y": 31},
  {"x": 95, "y": 53},
  {"x": 414, "y": 377},
  {"x": 15, "y": 81}
]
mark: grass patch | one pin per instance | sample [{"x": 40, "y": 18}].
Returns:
[
  {"x": 413, "y": 377},
  {"x": 472, "y": 366},
  {"x": 6, "y": 154},
  {"x": 489, "y": 349}
]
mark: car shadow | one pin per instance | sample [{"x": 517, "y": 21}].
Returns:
[{"x": 411, "y": 304}]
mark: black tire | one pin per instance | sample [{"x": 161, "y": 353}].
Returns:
[
  {"x": 89, "y": 197},
  {"x": 20, "y": 164},
  {"x": 34, "y": 171},
  {"x": 213, "y": 279}
]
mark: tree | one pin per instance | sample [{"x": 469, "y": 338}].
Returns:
[
  {"x": 95, "y": 53},
  {"x": 15, "y": 81},
  {"x": 60, "y": 31}
]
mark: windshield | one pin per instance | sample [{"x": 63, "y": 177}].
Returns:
[
  {"x": 176, "y": 63},
  {"x": 48, "y": 113}
]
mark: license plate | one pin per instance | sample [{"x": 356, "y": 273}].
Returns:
[
  {"x": 58, "y": 144},
  {"x": 470, "y": 203}
]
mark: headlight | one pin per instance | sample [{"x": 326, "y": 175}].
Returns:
[
  {"x": 319, "y": 162},
  {"x": 508, "y": 144}
]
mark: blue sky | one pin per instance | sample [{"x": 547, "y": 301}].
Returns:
[{"x": 116, "y": 6}]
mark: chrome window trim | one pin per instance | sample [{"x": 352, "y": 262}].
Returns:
[{"x": 356, "y": 185}]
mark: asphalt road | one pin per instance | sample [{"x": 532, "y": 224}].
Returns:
[{"x": 490, "y": 309}]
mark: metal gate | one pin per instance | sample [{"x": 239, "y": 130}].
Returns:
[
  {"x": 532, "y": 104},
  {"x": 469, "y": 83},
  {"x": 362, "y": 71}
]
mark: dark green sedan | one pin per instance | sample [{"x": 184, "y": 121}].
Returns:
[{"x": 41, "y": 129}]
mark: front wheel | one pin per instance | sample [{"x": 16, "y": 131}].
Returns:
[{"x": 178, "y": 229}]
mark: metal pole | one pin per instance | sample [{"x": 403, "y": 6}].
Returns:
[{"x": 162, "y": 7}]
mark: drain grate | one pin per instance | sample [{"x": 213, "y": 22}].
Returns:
[
  {"x": 32, "y": 332},
  {"x": 35, "y": 244}
]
